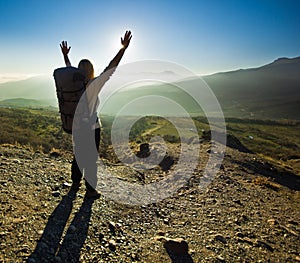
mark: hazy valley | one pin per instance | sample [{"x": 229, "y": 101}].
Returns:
[{"x": 267, "y": 92}]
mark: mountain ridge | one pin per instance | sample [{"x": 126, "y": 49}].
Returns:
[
  {"x": 276, "y": 62},
  {"x": 273, "y": 88}
]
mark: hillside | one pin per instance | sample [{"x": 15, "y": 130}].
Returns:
[
  {"x": 271, "y": 91},
  {"x": 41, "y": 130},
  {"x": 268, "y": 92}
]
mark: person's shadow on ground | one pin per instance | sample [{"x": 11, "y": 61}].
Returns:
[{"x": 51, "y": 247}]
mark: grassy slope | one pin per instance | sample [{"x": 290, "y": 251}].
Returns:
[
  {"x": 275, "y": 140},
  {"x": 38, "y": 128}
]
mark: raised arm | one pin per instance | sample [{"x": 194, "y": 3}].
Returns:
[
  {"x": 96, "y": 84},
  {"x": 65, "y": 50},
  {"x": 116, "y": 60}
]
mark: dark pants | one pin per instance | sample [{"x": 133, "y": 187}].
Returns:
[{"x": 88, "y": 162}]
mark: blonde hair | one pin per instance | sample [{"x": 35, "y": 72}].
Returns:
[{"x": 87, "y": 66}]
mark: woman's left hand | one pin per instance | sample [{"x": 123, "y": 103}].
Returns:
[{"x": 126, "y": 40}]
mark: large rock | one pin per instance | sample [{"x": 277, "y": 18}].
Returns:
[
  {"x": 177, "y": 246},
  {"x": 144, "y": 150}
]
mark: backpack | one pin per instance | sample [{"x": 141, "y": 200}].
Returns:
[{"x": 70, "y": 84}]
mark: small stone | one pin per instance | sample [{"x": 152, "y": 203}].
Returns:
[
  {"x": 245, "y": 218},
  {"x": 245, "y": 240},
  {"x": 220, "y": 258},
  {"x": 54, "y": 153},
  {"x": 238, "y": 202},
  {"x": 264, "y": 245},
  {"x": 160, "y": 233},
  {"x": 292, "y": 222},
  {"x": 239, "y": 234},
  {"x": 272, "y": 222},
  {"x": 56, "y": 187},
  {"x": 3, "y": 233},
  {"x": 40, "y": 232},
  {"x": 297, "y": 258},
  {"x": 112, "y": 245},
  {"x": 220, "y": 238},
  {"x": 166, "y": 221},
  {"x": 66, "y": 185},
  {"x": 112, "y": 226},
  {"x": 88, "y": 247},
  {"x": 118, "y": 226},
  {"x": 56, "y": 193}
]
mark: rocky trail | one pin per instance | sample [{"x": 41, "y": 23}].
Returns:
[{"x": 249, "y": 213}]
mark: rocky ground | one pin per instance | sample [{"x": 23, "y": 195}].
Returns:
[{"x": 249, "y": 213}]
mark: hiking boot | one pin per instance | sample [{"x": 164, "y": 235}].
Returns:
[{"x": 92, "y": 194}]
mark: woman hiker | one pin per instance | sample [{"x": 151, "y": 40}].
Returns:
[{"x": 90, "y": 165}]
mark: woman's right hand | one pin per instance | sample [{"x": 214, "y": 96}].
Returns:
[{"x": 64, "y": 48}]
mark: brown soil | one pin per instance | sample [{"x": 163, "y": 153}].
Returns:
[{"x": 249, "y": 213}]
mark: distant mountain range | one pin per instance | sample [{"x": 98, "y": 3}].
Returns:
[
  {"x": 21, "y": 103},
  {"x": 34, "y": 88},
  {"x": 271, "y": 91},
  {"x": 268, "y": 92}
]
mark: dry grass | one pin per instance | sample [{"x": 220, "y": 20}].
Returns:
[{"x": 266, "y": 182}]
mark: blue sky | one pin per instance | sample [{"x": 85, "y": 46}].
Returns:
[{"x": 204, "y": 36}]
